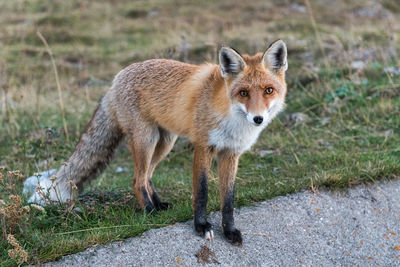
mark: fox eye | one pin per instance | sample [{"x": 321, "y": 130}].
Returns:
[
  {"x": 268, "y": 91},
  {"x": 244, "y": 93}
]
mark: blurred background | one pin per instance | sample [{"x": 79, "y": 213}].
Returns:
[{"x": 57, "y": 58}]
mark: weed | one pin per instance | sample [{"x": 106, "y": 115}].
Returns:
[
  {"x": 17, "y": 253},
  {"x": 13, "y": 215}
]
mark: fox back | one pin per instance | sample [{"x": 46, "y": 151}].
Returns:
[{"x": 225, "y": 106}]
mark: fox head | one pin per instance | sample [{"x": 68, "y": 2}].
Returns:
[{"x": 256, "y": 84}]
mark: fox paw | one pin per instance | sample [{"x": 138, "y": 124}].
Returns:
[
  {"x": 150, "y": 209},
  {"x": 205, "y": 230},
  {"x": 163, "y": 206},
  {"x": 234, "y": 236}
]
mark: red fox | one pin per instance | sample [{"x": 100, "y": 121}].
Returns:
[{"x": 221, "y": 108}]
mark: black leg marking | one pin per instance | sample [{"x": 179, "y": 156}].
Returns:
[
  {"x": 202, "y": 227},
  {"x": 232, "y": 234},
  {"x": 149, "y": 207},
  {"x": 158, "y": 204}
]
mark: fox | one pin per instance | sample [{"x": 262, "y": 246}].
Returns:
[{"x": 221, "y": 108}]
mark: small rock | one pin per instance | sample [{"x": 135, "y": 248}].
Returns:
[
  {"x": 392, "y": 70},
  {"x": 153, "y": 13},
  {"x": 373, "y": 9},
  {"x": 386, "y": 133},
  {"x": 121, "y": 169},
  {"x": 297, "y": 117},
  {"x": 325, "y": 121},
  {"x": 358, "y": 65},
  {"x": 78, "y": 209},
  {"x": 263, "y": 153},
  {"x": 299, "y": 8}
]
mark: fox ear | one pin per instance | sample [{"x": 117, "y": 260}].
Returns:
[
  {"x": 275, "y": 57},
  {"x": 230, "y": 61}
]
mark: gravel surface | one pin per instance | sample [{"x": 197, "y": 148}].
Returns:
[{"x": 359, "y": 227}]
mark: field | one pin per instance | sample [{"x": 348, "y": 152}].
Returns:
[{"x": 340, "y": 126}]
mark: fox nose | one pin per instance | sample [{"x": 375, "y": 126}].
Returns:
[{"x": 258, "y": 119}]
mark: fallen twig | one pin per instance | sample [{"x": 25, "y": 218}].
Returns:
[{"x": 109, "y": 227}]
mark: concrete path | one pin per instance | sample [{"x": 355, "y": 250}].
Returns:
[{"x": 360, "y": 227}]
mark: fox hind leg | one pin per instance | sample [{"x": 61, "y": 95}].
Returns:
[
  {"x": 163, "y": 147},
  {"x": 142, "y": 145}
]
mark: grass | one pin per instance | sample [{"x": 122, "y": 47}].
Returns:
[{"x": 350, "y": 134}]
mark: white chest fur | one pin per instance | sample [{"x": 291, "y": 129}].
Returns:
[{"x": 235, "y": 132}]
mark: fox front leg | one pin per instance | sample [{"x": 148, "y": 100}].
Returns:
[
  {"x": 227, "y": 168},
  {"x": 201, "y": 167}
]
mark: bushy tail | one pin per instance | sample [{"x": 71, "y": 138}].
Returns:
[{"x": 93, "y": 152}]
